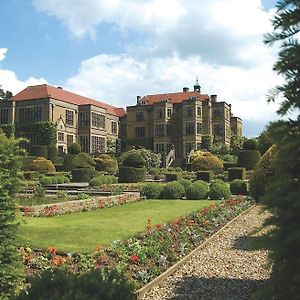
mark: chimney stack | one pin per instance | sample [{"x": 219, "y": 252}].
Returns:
[
  {"x": 214, "y": 98},
  {"x": 138, "y": 99},
  {"x": 185, "y": 89}
]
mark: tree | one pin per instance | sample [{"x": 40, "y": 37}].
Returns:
[
  {"x": 10, "y": 181},
  {"x": 5, "y": 95},
  {"x": 282, "y": 196}
]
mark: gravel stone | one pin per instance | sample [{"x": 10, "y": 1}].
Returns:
[{"x": 227, "y": 268}]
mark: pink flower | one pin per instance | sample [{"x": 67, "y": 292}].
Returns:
[{"x": 134, "y": 258}]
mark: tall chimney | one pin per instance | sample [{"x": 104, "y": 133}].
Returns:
[
  {"x": 213, "y": 98},
  {"x": 185, "y": 89}
]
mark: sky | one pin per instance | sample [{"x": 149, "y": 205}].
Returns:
[{"x": 114, "y": 50}]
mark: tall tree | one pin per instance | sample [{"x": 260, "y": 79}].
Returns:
[
  {"x": 283, "y": 192},
  {"x": 5, "y": 95}
]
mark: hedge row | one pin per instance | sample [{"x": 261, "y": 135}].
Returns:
[
  {"x": 46, "y": 180},
  {"x": 102, "y": 179}
]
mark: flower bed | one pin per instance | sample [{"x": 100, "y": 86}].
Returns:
[
  {"x": 68, "y": 207},
  {"x": 145, "y": 256}
]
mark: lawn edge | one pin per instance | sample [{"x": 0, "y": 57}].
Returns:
[{"x": 160, "y": 278}]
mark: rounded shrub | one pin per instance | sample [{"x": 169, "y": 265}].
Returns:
[
  {"x": 185, "y": 183},
  {"x": 178, "y": 169},
  {"x": 219, "y": 190},
  {"x": 263, "y": 174},
  {"x": 248, "y": 159},
  {"x": 68, "y": 162},
  {"x": 238, "y": 187},
  {"x": 151, "y": 191},
  {"x": 54, "y": 180},
  {"x": 197, "y": 190},
  {"x": 83, "y": 160},
  {"x": 46, "y": 180},
  {"x": 42, "y": 165},
  {"x": 82, "y": 174},
  {"x": 131, "y": 174},
  {"x": 250, "y": 144},
  {"x": 108, "y": 165},
  {"x": 60, "y": 179},
  {"x": 74, "y": 148},
  {"x": 205, "y": 161},
  {"x": 134, "y": 159},
  {"x": 172, "y": 190}
]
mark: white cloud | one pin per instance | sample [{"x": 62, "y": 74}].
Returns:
[{"x": 2, "y": 53}]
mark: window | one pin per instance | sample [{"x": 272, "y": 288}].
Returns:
[
  {"x": 159, "y": 113},
  {"x": 114, "y": 127},
  {"x": 60, "y": 136},
  {"x": 217, "y": 113},
  {"x": 70, "y": 139},
  {"x": 84, "y": 143},
  {"x": 3, "y": 116},
  {"x": 98, "y": 120},
  {"x": 160, "y": 147},
  {"x": 159, "y": 130},
  {"x": 169, "y": 147},
  {"x": 169, "y": 112},
  {"x": 199, "y": 111},
  {"x": 169, "y": 129},
  {"x": 139, "y": 115},
  {"x": 69, "y": 117},
  {"x": 33, "y": 141},
  {"x": 30, "y": 114},
  {"x": 218, "y": 129},
  {"x": 84, "y": 119},
  {"x": 188, "y": 147},
  {"x": 98, "y": 144},
  {"x": 188, "y": 111},
  {"x": 189, "y": 128},
  {"x": 199, "y": 128},
  {"x": 139, "y": 131}
]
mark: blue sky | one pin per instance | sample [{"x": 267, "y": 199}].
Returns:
[{"x": 113, "y": 50}]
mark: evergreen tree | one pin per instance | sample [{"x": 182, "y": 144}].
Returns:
[
  {"x": 5, "y": 95},
  {"x": 283, "y": 192}
]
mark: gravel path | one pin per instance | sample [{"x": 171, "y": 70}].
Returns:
[{"x": 226, "y": 269}]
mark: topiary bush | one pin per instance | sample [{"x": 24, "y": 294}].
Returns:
[
  {"x": 106, "y": 164},
  {"x": 42, "y": 165},
  {"x": 74, "y": 148},
  {"x": 68, "y": 162},
  {"x": 131, "y": 174},
  {"x": 94, "y": 284},
  {"x": 185, "y": 183},
  {"x": 151, "y": 191},
  {"x": 172, "y": 190},
  {"x": 46, "y": 180},
  {"x": 83, "y": 160},
  {"x": 31, "y": 175},
  {"x": 238, "y": 187},
  {"x": 134, "y": 159},
  {"x": 52, "y": 153},
  {"x": 262, "y": 174},
  {"x": 205, "y": 175},
  {"x": 205, "y": 161},
  {"x": 248, "y": 159},
  {"x": 250, "y": 144},
  {"x": 82, "y": 174},
  {"x": 197, "y": 190},
  {"x": 219, "y": 190},
  {"x": 173, "y": 176},
  {"x": 236, "y": 173},
  {"x": 40, "y": 150}
]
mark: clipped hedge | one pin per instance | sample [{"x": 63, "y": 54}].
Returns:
[
  {"x": 46, "y": 180},
  {"x": 205, "y": 161},
  {"x": 219, "y": 190},
  {"x": 185, "y": 183},
  {"x": 197, "y": 190},
  {"x": 173, "y": 176},
  {"x": 31, "y": 175},
  {"x": 236, "y": 173},
  {"x": 172, "y": 190},
  {"x": 101, "y": 180},
  {"x": 131, "y": 174},
  {"x": 108, "y": 165},
  {"x": 68, "y": 162},
  {"x": 238, "y": 187},
  {"x": 134, "y": 159},
  {"x": 42, "y": 165},
  {"x": 151, "y": 191},
  {"x": 205, "y": 175},
  {"x": 52, "y": 153},
  {"x": 250, "y": 144},
  {"x": 82, "y": 174},
  {"x": 248, "y": 159},
  {"x": 74, "y": 148}
]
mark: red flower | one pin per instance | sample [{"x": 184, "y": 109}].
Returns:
[
  {"x": 134, "y": 258},
  {"x": 52, "y": 250},
  {"x": 159, "y": 226}
]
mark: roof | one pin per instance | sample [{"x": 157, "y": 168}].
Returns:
[
  {"x": 174, "y": 97},
  {"x": 48, "y": 91}
]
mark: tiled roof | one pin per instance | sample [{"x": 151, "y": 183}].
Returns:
[
  {"x": 174, "y": 97},
  {"x": 47, "y": 91}
]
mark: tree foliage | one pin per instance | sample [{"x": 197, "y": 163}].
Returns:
[{"x": 5, "y": 95}]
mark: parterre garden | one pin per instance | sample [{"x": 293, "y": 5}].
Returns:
[{"x": 155, "y": 217}]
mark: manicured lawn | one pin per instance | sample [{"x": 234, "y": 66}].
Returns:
[{"x": 83, "y": 232}]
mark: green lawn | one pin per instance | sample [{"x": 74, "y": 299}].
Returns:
[{"x": 82, "y": 232}]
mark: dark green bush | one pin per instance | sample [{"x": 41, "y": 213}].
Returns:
[
  {"x": 219, "y": 190},
  {"x": 205, "y": 175},
  {"x": 95, "y": 284},
  {"x": 135, "y": 160},
  {"x": 83, "y": 160},
  {"x": 30, "y": 175},
  {"x": 197, "y": 190},
  {"x": 248, "y": 159},
  {"x": 40, "y": 151},
  {"x": 82, "y": 174},
  {"x": 108, "y": 165},
  {"x": 151, "y": 191},
  {"x": 155, "y": 171},
  {"x": 228, "y": 165},
  {"x": 236, "y": 173},
  {"x": 178, "y": 169},
  {"x": 185, "y": 183},
  {"x": 263, "y": 174},
  {"x": 173, "y": 176},
  {"x": 238, "y": 187},
  {"x": 74, "y": 149},
  {"x": 130, "y": 174},
  {"x": 250, "y": 144},
  {"x": 59, "y": 167},
  {"x": 171, "y": 169},
  {"x": 172, "y": 190},
  {"x": 68, "y": 162},
  {"x": 52, "y": 152}
]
